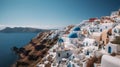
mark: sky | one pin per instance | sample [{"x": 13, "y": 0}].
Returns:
[{"x": 52, "y": 13}]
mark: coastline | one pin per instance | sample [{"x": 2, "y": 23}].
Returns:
[
  {"x": 7, "y": 41},
  {"x": 41, "y": 39}
]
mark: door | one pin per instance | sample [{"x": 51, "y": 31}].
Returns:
[{"x": 109, "y": 49}]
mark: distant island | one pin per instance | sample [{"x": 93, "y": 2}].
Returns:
[{"x": 22, "y": 30}]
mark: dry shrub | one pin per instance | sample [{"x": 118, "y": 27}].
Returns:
[
  {"x": 99, "y": 59},
  {"x": 113, "y": 54},
  {"x": 92, "y": 60},
  {"x": 48, "y": 65}
]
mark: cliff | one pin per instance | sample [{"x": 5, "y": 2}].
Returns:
[{"x": 37, "y": 48}]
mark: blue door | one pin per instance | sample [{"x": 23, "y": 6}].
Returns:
[{"x": 109, "y": 49}]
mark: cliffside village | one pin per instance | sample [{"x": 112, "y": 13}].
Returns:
[{"x": 92, "y": 43}]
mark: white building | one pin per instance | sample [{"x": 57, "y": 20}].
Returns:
[
  {"x": 77, "y": 30},
  {"x": 117, "y": 19},
  {"x": 115, "y": 13},
  {"x": 90, "y": 45},
  {"x": 94, "y": 28},
  {"x": 116, "y": 30},
  {"x": 89, "y": 42},
  {"x": 96, "y": 36},
  {"x": 112, "y": 48},
  {"x": 62, "y": 51},
  {"x": 109, "y": 61},
  {"x": 105, "y": 26},
  {"x": 73, "y": 38}
]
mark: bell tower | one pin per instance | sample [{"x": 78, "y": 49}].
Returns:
[{"x": 61, "y": 43}]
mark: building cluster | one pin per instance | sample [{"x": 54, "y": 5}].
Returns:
[{"x": 88, "y": 44}]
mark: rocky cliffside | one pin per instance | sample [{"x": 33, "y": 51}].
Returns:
[{"x": 37, "y": 48}]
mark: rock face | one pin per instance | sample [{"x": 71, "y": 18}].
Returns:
[
  {"x": 36, "y": 49},
  {"x": 22, "y": 30}
]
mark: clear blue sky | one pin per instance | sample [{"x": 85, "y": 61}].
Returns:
[{"x": 53, "y": 13}]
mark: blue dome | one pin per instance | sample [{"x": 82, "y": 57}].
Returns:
[
  {"x": 76, "y": 29},
  {"x": 73, "y": 35},
  {"x": 60, "y": 40}
]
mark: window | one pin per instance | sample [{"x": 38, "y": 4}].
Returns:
[
  {"x": 119, "y": 31},
  {"x": 87, "y": 52},
  {"x": 103, "y": 42},
  {"x": 91, "y": 31},
  {"x": 86, "y": 43},
  {"x": 96, "y": 44},
  {"x": 100, "y": 30},
  {"x": 83, "y": 43},
  {"x": 58, "y": 54},
  {"x": 106, "y": 27},
  {"x": 67, "y": 54},
  {"x": 73, "y": 65},
  {"x": 115, "y": 30},
  {"x": 59, "y": 62}
]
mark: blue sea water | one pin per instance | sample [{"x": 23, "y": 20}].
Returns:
[{"x": 7, "y": 41}]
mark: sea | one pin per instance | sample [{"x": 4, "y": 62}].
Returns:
[{"x": 7, "y": 41}]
